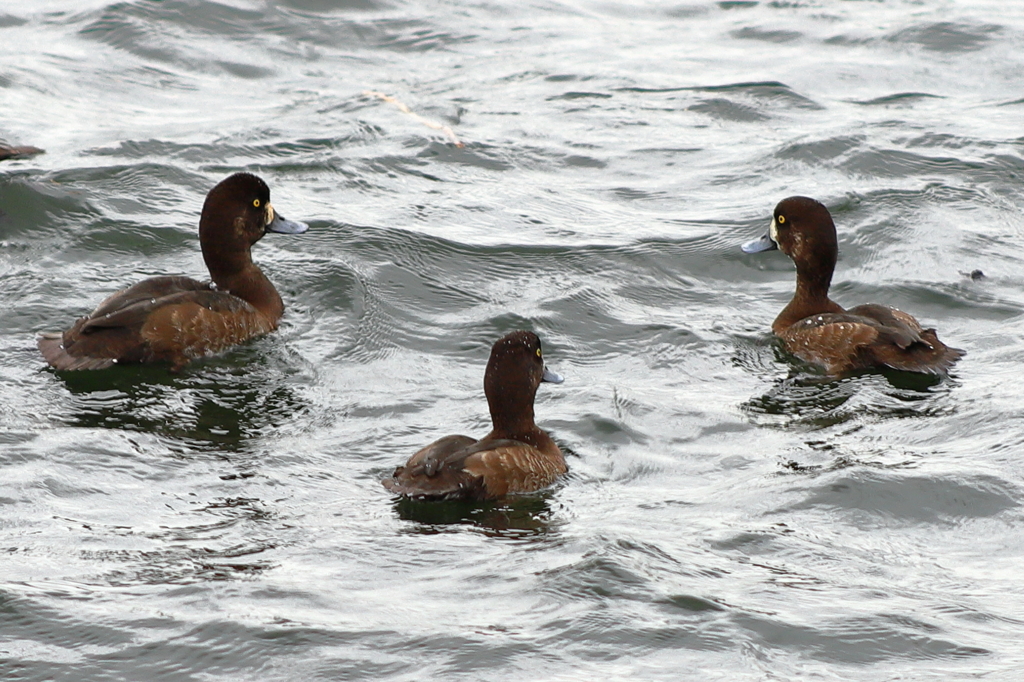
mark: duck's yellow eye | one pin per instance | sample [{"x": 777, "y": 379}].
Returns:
[
  {"x": 781, "y": 219},
  {"x": 256, "y": 203},
  {"x": 538, "y": 352}
]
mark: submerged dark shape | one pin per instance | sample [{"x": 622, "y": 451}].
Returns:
[
  {"x": 820, "y": 331},
  {"x": 178, "y": 319},
  {"x": 515, "y": 457},
  {"x": 22, "y": 152}
]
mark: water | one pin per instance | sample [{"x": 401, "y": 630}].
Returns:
[{"x": 729, "y": 515}]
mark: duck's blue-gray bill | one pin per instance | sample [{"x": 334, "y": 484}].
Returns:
[
  {"x": 765, "y": 243},
  {"x": 552, "y": 376},
  {"x": 279, "y": 224}
]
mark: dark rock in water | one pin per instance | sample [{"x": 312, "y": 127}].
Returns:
[{"x": 974, "y": 275}]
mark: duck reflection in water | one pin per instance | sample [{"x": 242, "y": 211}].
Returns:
[
  {"x": 515, "y": 517},
  {"x": 219, "y": 409}
]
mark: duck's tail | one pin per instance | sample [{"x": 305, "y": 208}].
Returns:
[
  {"x": 929, "y": 355},
  {"x": 51, "y": 345}
]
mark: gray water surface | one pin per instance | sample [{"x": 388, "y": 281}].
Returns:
[{"x": 730, "y": 514}]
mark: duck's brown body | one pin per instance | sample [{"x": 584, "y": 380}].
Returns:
[
  {"x": 866, "y": 336},
  {"x": 22, "y": 152},
  {"x": 817, "y": 329},
  {"x": 459, "y": 467},
  {"x": 515, "y": 457},
  {"x": 162, "y": 319},
  {"x": 178, "y": 319}
]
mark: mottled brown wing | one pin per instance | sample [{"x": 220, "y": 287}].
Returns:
[
  {"x": 430, "y": 459},
  {"x": 147, "y": 290},
  {"x": 897, "y": 326},
  {"x": 907, "y": 319},
  {"x": 833, "y": 341},
  {"x": 434, "y": 471},
  {"x": 907, "y": 346},
  {"x": 930, "y": 355},
  {"x": 137, "y": 311}
]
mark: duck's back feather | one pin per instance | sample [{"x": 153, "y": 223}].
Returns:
[
  {"x": 147, "y": 289},
  {"x": 435, "y": 472}
]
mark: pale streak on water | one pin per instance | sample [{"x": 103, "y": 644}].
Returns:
[{"x": 729, "y": 515}]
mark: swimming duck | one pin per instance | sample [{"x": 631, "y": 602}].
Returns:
[
  {"x": 515, "y": 457},
  {"x": 178, "y": 319},
  {"x": 22, "y": 152},
  {"x": 820, "y": 331}
]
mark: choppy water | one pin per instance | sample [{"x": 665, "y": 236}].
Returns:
[{"x": 728, "y": 516}]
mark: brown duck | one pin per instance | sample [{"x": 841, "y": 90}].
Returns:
[
  {"x": 22, "y": 152},
  {"x": 515, "y": 457},
  {"x": 178, "y": 319},
  {"x": 817, "y": 329}
]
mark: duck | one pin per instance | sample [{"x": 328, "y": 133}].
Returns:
[
  {"x": 17, "y": 152},
  {"x": 818, "y": 330},
  {"x": 175, "y": 319},
  {"x": 515, "y": 457}
]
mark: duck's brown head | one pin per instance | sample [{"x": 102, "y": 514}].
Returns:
[
  {"x": 802, "y": 228},
  {"x": 514, "y": 371},
  {"x": 236, "y": 215}
]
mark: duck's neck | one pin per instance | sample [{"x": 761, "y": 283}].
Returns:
[
  {"x": 246, "y": 281},
  {"x": 511, "y": 418},
  {"x": 523, "y": 430},
  {"x": 811, "y": 297}
]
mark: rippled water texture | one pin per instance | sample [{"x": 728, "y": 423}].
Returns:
[{"x": 729, "y": 515}]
